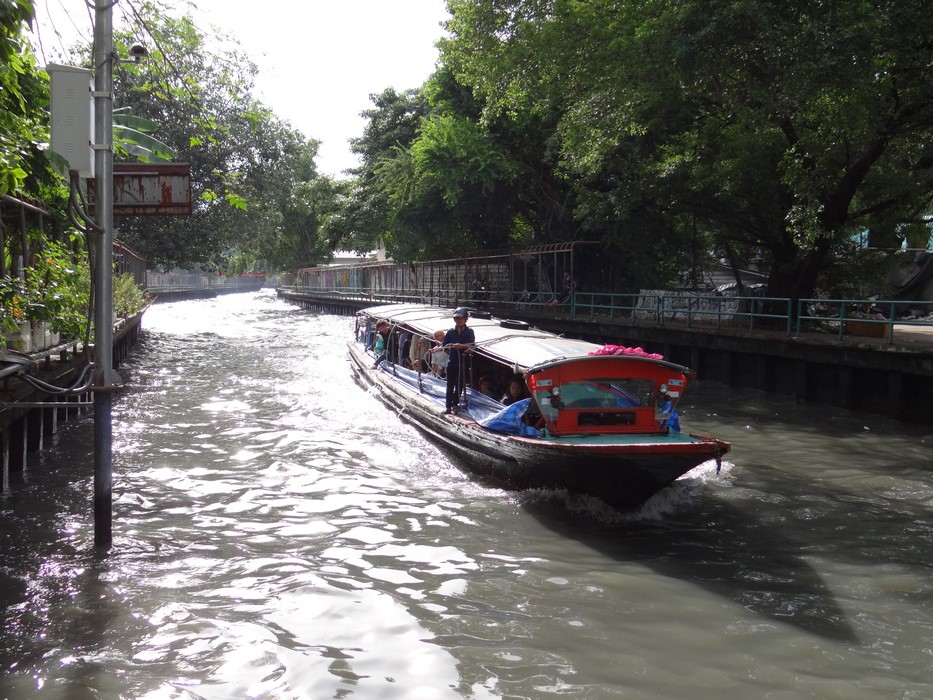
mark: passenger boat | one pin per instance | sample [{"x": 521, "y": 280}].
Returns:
[{"x": 597, "y": 420}]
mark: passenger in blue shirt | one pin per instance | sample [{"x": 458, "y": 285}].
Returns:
[{"x": 456, "y": 341}]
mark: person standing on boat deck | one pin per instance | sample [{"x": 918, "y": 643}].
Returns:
[
  {"x": 456, "y": 341},
  {"x": 380, "y": 342}
]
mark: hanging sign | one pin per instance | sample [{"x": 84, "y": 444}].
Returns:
[{"x": 149, "y": 189}]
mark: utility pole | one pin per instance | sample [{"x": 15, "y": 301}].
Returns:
[{"x": 103, "y": 274}]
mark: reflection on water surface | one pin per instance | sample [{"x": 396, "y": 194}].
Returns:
[{"x": 280, "y": 534}]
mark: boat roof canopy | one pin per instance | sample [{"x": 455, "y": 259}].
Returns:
[{"x": 511, "y": 342}]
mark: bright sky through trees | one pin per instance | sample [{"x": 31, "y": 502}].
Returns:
[{"x": 319, "y": 60}]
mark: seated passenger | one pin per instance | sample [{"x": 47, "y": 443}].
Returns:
[
  {"x": 516, "y": 391},
  {"x": 439, "y": 357},
  {"x": 484, "y": 386}
]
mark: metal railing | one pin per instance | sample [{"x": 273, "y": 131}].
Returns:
[
  {"x": 387, "y": 295},
  {"x": 690, "y": 308},
  {"x": 844, "y": 317},
  {"x": 191, "y": 281},
  {"x": 858, "y": 317}
]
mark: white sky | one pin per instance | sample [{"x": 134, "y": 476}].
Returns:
[{"x": 319, "y": 60}]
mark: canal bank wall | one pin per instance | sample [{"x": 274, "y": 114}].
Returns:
[
  {"x": 860, "y": 374},
  {"x": 30, "y": 416},
  {"x": 162, "y": 296}
]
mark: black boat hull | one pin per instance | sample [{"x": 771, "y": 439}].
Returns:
[{"x": 623, "y": 475}]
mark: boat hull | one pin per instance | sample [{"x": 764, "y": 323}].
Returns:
[{"x": 622, "y": 472}]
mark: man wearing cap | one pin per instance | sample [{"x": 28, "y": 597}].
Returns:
[{"x": 456, "y": 341}]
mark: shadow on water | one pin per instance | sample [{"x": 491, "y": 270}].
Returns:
[{"x": 721, "y": 548}]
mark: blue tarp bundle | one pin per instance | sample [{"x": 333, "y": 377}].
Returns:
[
  {"x": 509, "y": 420},
  {"x": 486, "y": 411},
  {"x": 672, "y": 422}
]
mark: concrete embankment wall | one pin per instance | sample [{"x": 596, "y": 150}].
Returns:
[
  {"x": 161, "y": 296},
  {"x": 861, "y": 375},
  {"x": 866, "y": 375}
]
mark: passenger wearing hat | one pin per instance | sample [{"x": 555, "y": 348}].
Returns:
[{"x": 456, "y": 341}]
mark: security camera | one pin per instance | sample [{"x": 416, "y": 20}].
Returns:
[{"x": 138, "y": 52}]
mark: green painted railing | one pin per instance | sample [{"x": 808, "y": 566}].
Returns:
[
  {"x": 844, "y": 317},
  {"x": 690, "y": 308},
  {"x": 861, "y": 318}
]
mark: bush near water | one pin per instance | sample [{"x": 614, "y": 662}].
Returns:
[{"x": 55, "y": 290}]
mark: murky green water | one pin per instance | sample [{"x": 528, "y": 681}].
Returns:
[{"x": 278, "y": 533}]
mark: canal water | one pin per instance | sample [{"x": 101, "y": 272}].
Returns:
[{"x": 278, "y": 533}]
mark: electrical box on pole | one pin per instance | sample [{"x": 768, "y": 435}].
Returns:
[{"x": 72, "y": 116}]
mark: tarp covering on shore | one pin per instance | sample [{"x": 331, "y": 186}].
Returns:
[{"x": 913, "y": 282}]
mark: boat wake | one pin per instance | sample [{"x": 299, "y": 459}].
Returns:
[{"x": 684, "y": 494}]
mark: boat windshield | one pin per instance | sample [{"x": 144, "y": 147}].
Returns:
[
  {"x": 604, "y": 396},
  {"x": 607, "y": 393}
]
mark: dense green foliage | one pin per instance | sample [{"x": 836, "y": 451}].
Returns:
[
  {"x": 128, "y": 298},
  {"x": 755, "y": 132},
  {"x": 24, "y": 99},
  {"x": 674, "y": 133},
  {"x": 55, "y": 289},
  {"x": 258, "y": 197}
]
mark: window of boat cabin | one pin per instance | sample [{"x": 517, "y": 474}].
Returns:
[{"x": 607, "y": 393}]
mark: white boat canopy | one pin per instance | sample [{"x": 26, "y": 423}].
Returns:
[{"x": 519, "y": 347}]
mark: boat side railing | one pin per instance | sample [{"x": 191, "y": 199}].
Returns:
[{"x": 842, "y": 317}]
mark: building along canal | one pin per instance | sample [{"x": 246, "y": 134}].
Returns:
[{"x": 278, "y": 533}]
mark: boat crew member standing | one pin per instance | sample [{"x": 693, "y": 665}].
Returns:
[{"x": 456, "y": 341}]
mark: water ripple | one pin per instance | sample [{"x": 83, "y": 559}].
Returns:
[{"x": 280, "y": 534}]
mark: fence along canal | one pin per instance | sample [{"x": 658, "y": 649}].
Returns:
[{"x": 835, "y": 352}]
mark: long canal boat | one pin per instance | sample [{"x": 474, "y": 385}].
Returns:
[{"x": 597, "y": 420}]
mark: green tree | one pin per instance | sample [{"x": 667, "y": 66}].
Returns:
[
  {"x": 291, "y": 203},
  {"x": 438, "y": 180},
  {"x": 449, "y": 190},
  {"x": 24, "y": 99},
  {"x": 363, "y": 221},
  {"x": 768, "y": 131},
  {"x": 247, "y": 166}
]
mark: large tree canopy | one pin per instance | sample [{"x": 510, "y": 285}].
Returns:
[
  {"x": 776, "y": 129},
  {"x": 443, "y": 180},
  {"x": 251, "y": 172},
  {"x": 750, "y": 131}
]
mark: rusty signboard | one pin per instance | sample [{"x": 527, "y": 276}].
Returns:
[{"x": 149, "y": 189}]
